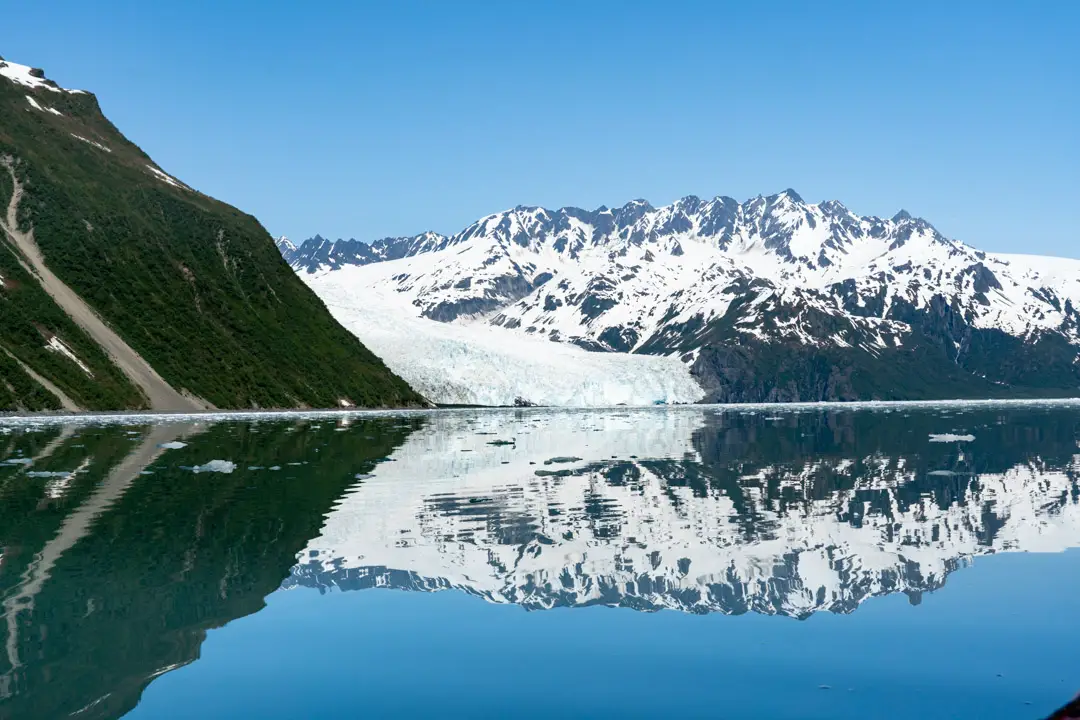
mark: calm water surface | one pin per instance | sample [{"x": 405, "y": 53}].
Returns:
[{"x": 892, "y": 562}]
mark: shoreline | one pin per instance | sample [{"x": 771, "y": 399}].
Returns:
[{"x": 151, "y": 416}]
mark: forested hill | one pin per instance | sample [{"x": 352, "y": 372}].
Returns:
[{"x": 122, "y": 287}]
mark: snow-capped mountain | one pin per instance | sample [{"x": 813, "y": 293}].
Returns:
[
  {"x": 661, "y": 509},
  {"x": 771, "y": 299},
  {"x": 285, "y": 246}
]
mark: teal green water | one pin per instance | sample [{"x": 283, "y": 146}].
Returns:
[{"x": 890, "y": 562}]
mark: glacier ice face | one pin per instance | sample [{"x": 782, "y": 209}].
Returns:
[{"x": 477, "y": 364}]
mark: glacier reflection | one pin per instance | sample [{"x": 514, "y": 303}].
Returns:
[{"x": 698, "y": 510}]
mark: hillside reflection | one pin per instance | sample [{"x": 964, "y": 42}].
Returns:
[{"x": 123, "y": 545}]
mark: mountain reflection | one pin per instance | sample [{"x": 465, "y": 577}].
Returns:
[
  {"x": 123, "y": 545},
  {"x": 702, "y": 511}
]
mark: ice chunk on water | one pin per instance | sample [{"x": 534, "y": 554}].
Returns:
[{"x": 219, "y": 466}]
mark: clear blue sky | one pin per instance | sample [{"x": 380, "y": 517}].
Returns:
[{"x": 364, "y": 119}]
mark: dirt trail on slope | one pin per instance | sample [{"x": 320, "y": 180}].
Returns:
[{"x": 160, "y": 394}]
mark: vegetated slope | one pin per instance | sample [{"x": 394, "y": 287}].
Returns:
[
  {"x": 772, "y": 299},
  {"x": 192, "y": 285}
]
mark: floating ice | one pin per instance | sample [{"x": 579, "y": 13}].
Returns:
[{"x": 218, "y": 466}]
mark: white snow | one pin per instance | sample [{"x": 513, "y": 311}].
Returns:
[
  {"x": 44, "y": 108},
  {"x": 166, "y": 178},
  {"x": 21, "y": 75},
  {"x": 687, "y": 263},
  {"x": 56, "y": 345},
  {"x": 218, "y": 466},
  {"x": 174, "y": 445},
  {"x": 951, "y": 438},
  {"x": 482, "y": 365},
  {"x": 98, "y": 145}
]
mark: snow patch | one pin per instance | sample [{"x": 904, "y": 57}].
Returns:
[
  {"x": 43, "y": 108},
  {"x": 166, "y": 178},
  {"x": 98, "y": 145},
  {"x": 56, "y": 345},
  {"x": 951, "y": 438},
  {"x": 21, "y": 74},
  {"x": 174, "y": 445}
]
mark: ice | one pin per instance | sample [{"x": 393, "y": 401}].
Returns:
[
  {"x": 218, "y": 466},
  {"x": 482, "y": 365}
]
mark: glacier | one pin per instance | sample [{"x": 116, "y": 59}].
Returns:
[
  {"x": 478, "y": 364},
  {"x": 773, "y": 299}
]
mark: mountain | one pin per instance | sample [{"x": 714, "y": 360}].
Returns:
[
  {"x": 772, "y": 299},
  {"x": 698, "y": 511},
  {"x": 123, "y": 287}
]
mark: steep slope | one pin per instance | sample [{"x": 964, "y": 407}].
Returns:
[
  {"x": 200, "y": 307},
  {"x": 770, "y": 299}
]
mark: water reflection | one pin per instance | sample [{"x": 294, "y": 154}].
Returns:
[
  {"x": 701, "y": 512},
  {"x": 116, "y": 578},
  {"x": 123, "y": 545}
]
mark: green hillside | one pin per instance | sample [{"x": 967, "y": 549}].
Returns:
[{"x": 194, "y": 286}]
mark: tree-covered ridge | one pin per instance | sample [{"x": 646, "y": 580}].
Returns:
[{"x": 195, "y": 286}]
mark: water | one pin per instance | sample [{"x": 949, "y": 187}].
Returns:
[{"x": 896, "y": 561}]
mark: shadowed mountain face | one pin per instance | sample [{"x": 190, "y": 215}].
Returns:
[
  {"x": 123, "y": 545},
  {"x": 118, "y": 557}
]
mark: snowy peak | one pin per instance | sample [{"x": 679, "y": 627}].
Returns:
[
  {"x": 793, "y": 234},
  {"x": 30, "y": 77},
  {"x": 696, "y": 278},
  {"x": 285, "y": 246},
  {"x": 318, "y": 253}
]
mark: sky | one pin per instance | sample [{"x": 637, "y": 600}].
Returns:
[{"x": 373, "y": 119}]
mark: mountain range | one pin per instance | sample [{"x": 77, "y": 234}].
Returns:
[
  {"x": 772, "y": 299},
  {"x": 121, "y": 287}
]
